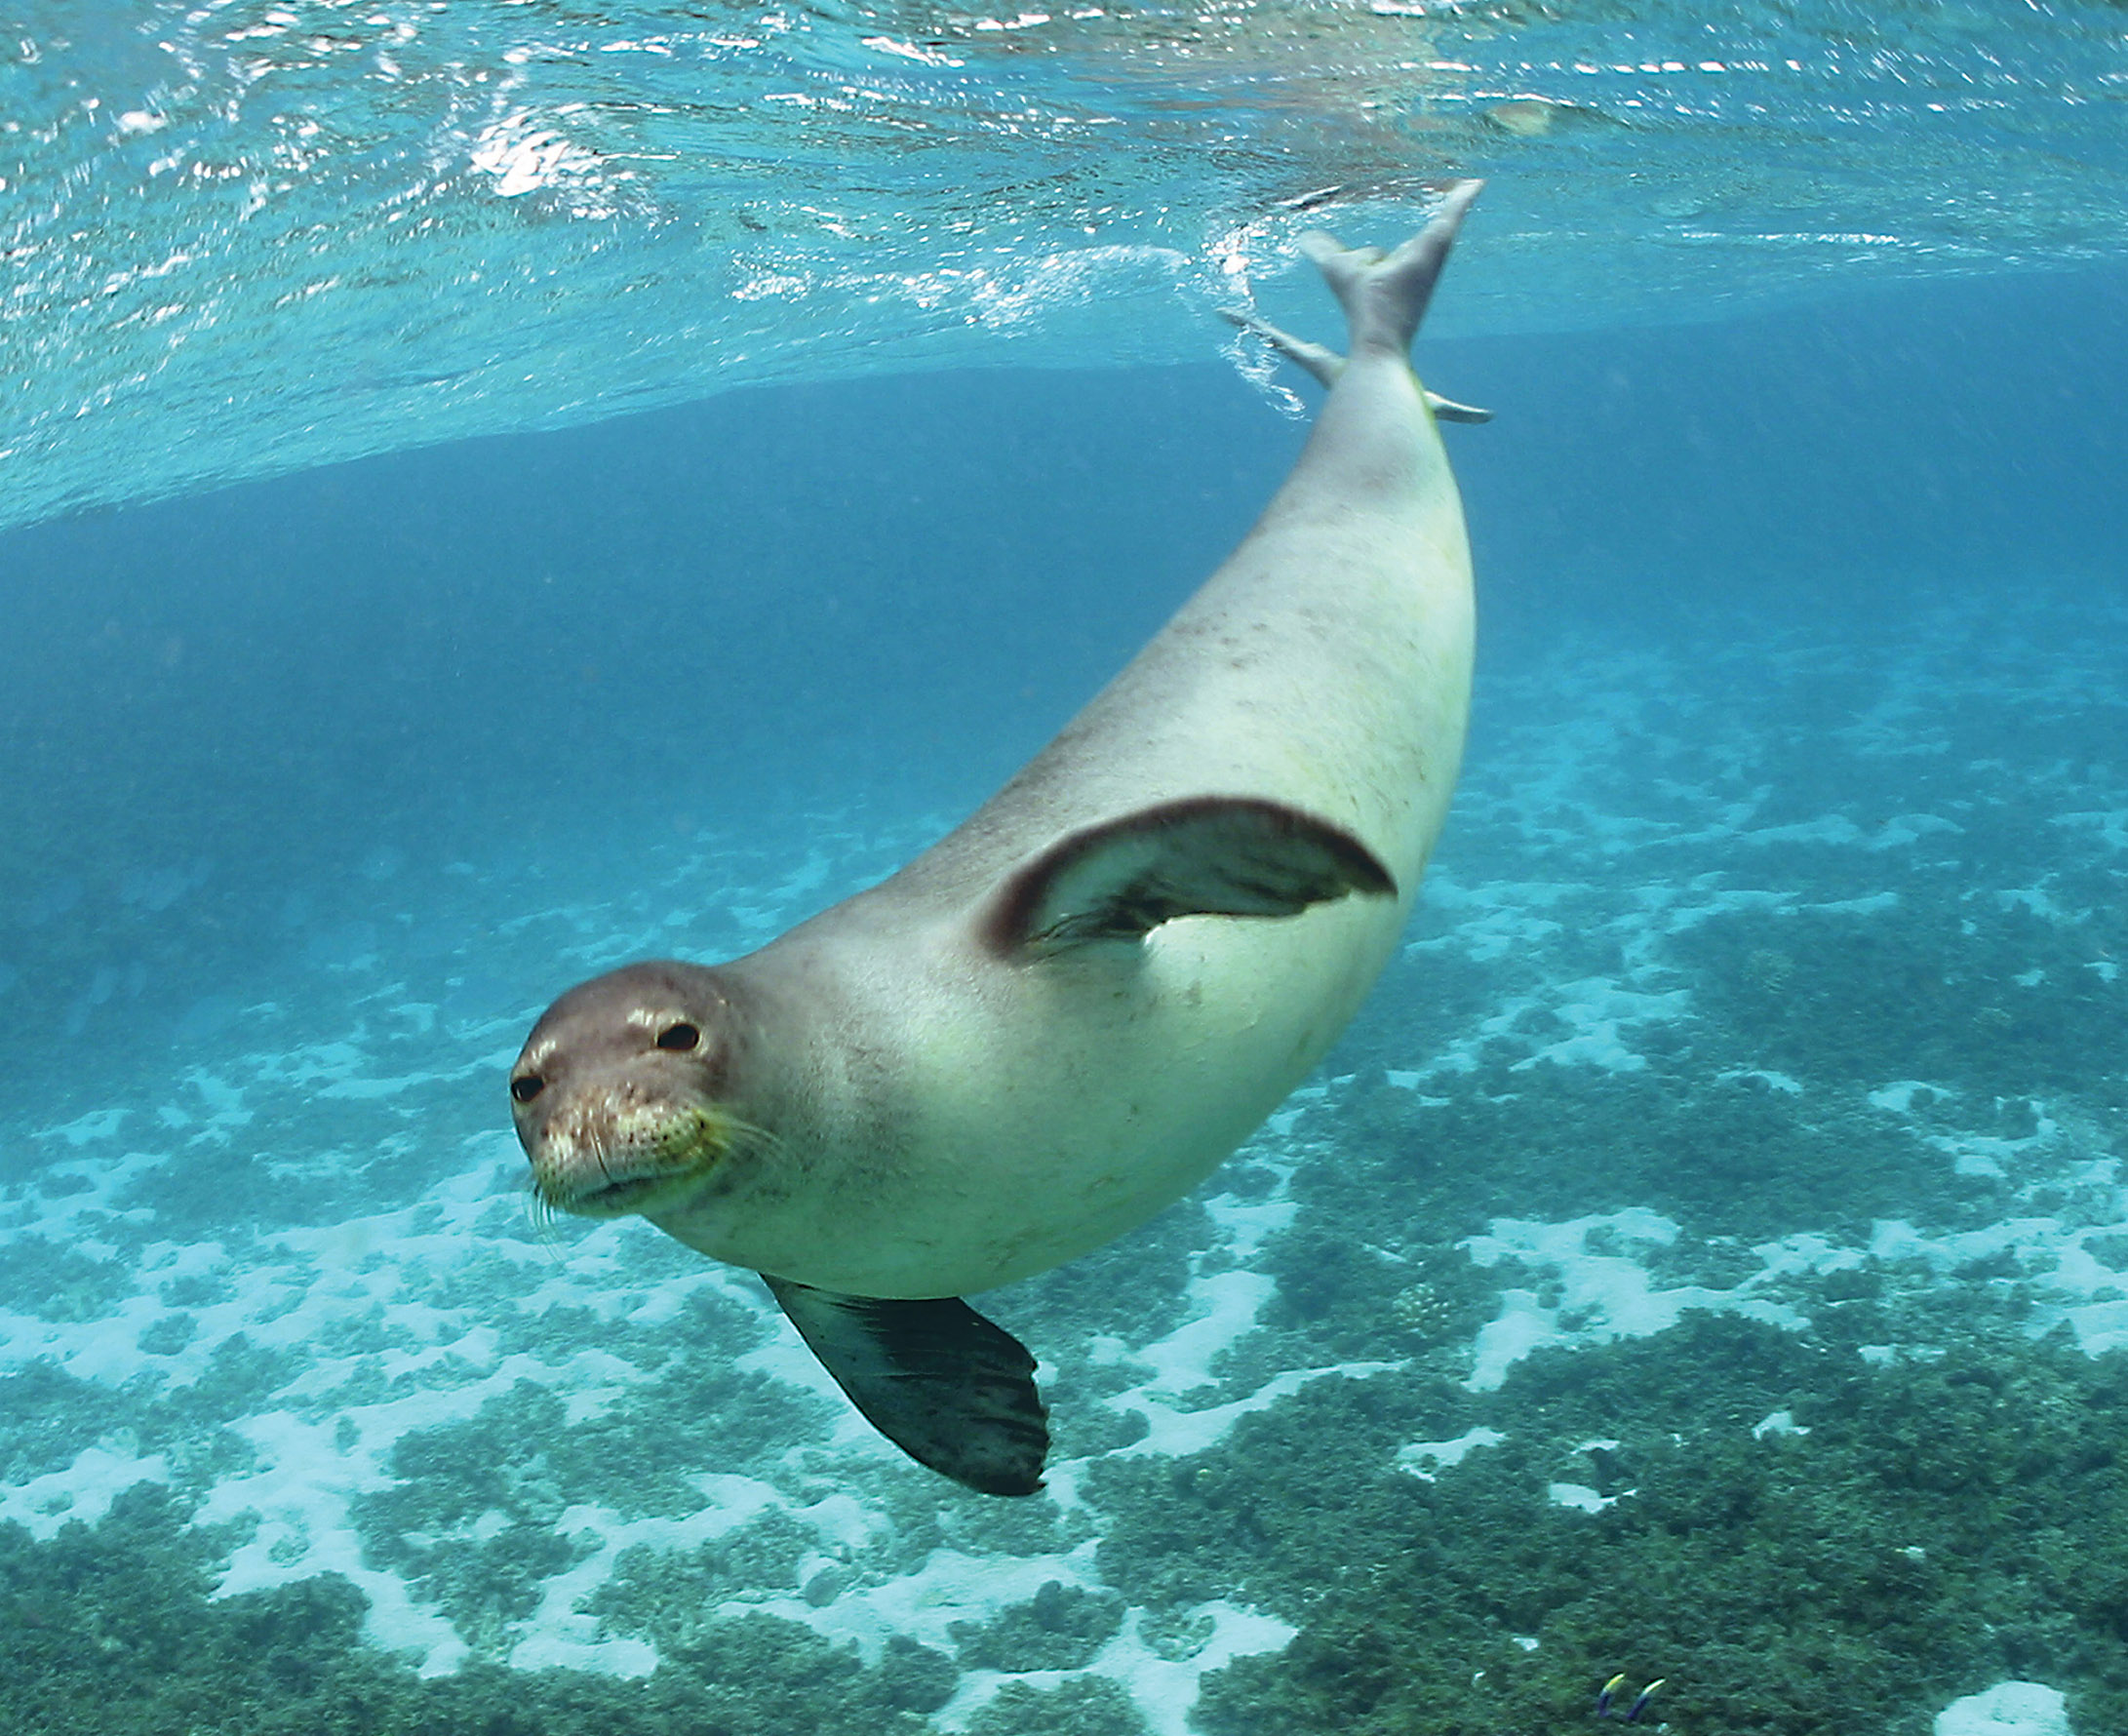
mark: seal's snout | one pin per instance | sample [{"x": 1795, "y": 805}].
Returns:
[
  {"x": 612, "y": 1148},
  {"x": 615, "y": 1093}
]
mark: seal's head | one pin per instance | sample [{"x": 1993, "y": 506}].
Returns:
[{"x": 619, "y": 1092}]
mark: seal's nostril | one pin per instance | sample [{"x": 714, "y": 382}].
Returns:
[
  {"x": 526, "y": 1086},
  {"x": 679, "y": 1035}
]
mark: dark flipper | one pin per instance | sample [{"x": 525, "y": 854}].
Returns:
[
  {"x": 950, "y": 1389},
  {"x": 1211, "y": 856}
]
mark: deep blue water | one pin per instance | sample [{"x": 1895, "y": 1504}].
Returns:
[
  {"x": 893, "y": 590},
  {"x": 315, "y": 789}
]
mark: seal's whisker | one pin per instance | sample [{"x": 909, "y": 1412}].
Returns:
[
  {"x": 754, "y": 1141},
  {"x": 546, "y": 1221},
  {"x": 543, "y": 1220}
]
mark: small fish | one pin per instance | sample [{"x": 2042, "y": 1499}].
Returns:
[{"x": 1608, "y": 1699}]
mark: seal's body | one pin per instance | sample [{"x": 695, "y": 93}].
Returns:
[{"x": 1065, "y": 1014}]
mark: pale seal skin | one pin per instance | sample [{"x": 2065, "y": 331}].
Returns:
[{"x": 1064, "y": 1015}]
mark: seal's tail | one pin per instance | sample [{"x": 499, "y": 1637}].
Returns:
[
  {"x": 1384, "y": 297},
  {"x": 1385, "y": 294}
]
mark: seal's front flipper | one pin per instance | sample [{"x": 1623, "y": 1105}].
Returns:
[
  {"x": 1211, "y": 855},
  {"x": 1326, "y": 363},
  {"x": 1449, "y": 410},
  {"x": 950, "y": 1389},
  {"x": 1323, "y": 363}
]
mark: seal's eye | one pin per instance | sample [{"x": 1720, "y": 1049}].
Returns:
[
  {"x": 526, "y": 1086},
  {"x": 679, "y": 1035}
]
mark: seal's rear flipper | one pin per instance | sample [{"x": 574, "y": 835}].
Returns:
[
  {"x": 1209, "y": 856},
  {"x": 1384, "y": 297},
  {"x": 1326, "y": 363},
  {"x": 950, "y": 1389},
  {"x": 1385, "y": 294}
]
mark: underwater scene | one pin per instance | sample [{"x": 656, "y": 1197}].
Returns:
[{"x": 492, "y": 493}]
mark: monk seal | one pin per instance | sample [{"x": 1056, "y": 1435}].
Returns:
[{"x": 1066, "y": 1012}]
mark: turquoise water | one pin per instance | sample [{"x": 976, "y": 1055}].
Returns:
[{"x": 1704, "y": 1260}]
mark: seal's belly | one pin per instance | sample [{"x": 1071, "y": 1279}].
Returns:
[{"x": 1078, "y": 1102}]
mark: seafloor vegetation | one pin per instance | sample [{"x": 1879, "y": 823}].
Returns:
[
  {"x": 1708, "y": 1260},
  {"x": 1942, "y": 1524}
]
